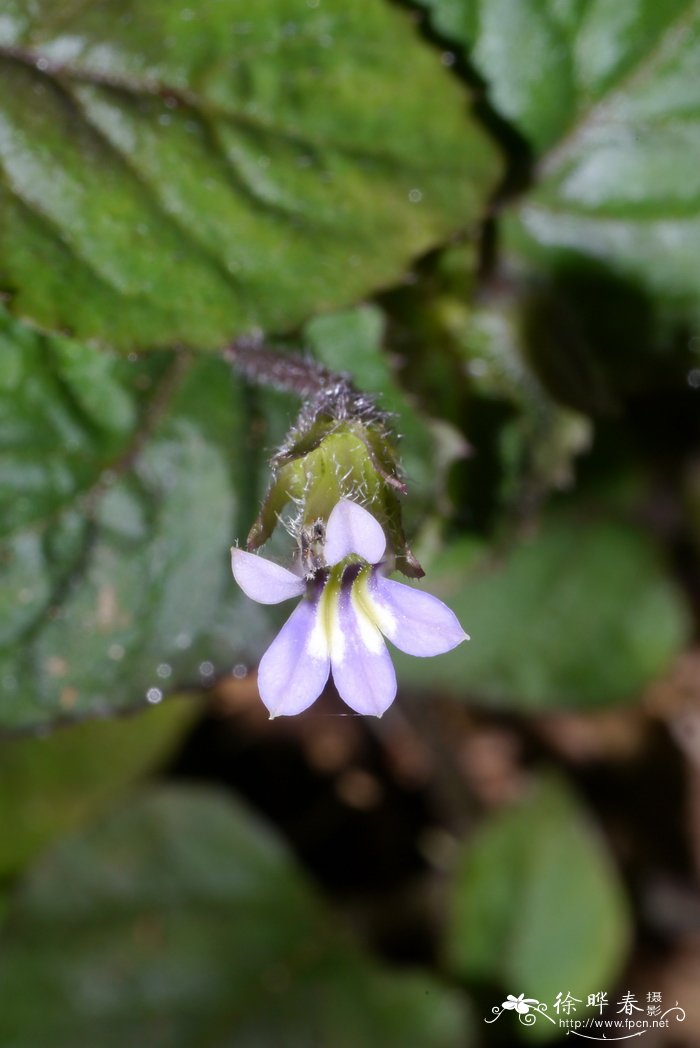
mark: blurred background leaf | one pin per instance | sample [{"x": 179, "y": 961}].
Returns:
[
  {"x": 581, "y": 613},
  {"x": 512, "y": 440},
  {"x": 536, "y": 904},
  {"x": 186, "y": 174},
  {"x": 51, "y": 784},
  {"x": 182, "y": 920}
]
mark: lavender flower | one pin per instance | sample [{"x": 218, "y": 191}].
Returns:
[{"x": 338, "y": 626}]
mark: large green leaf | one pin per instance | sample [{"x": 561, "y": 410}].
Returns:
[
  {"x": 180, "y": 174},
  {"x": 121, "y": 482},
  {"x": 182, "y": 921},
  {"x": 608, "y": 95},
  {"x": 537, "y": 906},
  {"x": 582, "y": 613},
  {"x": 50, "y": 784}
]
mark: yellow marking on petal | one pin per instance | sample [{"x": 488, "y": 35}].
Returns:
[
  {"x": 371, "y": 637},
  {"x": 378, "y": 614},
  {"x": 326, "y": 636}
]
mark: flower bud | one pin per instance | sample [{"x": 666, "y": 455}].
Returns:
[{"x": 341, "y": 447}]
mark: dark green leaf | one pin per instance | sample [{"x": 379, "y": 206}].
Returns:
[
  {"x": 182, "y": 921},
  {"x": 469, "y": 363},
  {"x": 543, "y": 437},
  {"x": 174, "y": 174},
  {"x": 582, "y": 613},
  {"x": 606, "y": 94},
  {"x": 117, "y": 517},
  {"x": 537, "y": 906},
  {"x": 539, "y": 439},
  {"x": 49, "y": 785}
]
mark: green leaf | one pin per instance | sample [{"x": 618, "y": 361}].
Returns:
[
  {"x": 51, "y": 784},
  {"x": 183, "y": 921},
  {"x": 515, "y": 442},
  {"x": 179, "y": 175},
  {"x": 115, "y": 528},
  {"x": 539, "y": 443},
  {"x": 612, "y": 118},
  {"x": 581, "y": 614},
  {"x": 537, "y": 906}
]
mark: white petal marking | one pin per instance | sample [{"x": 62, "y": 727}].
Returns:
[
  {"x": 319, "y": 644},
  {"x": 379, "y": 613},
  {"x": 362, "y": 668}
]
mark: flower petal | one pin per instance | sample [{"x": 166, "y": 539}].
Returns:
[
  {"x": 294, "y": 669},
  {"x": 353, "y": 529},
  {"x": 362, "y": 668},
  {"x": 415, "y": 621},
  {"x": 263, "y": 580}
]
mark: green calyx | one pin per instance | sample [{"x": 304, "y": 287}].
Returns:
[{"x": 328, "y": 458}]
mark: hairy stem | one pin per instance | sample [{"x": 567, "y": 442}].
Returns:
[{"x": 283, "y": 371}]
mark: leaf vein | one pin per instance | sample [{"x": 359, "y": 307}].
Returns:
[{"x": 556, "y": 156}]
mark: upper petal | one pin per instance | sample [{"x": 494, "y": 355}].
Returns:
[
  {"x": 263, "y": 580},
  {"x": 362, "y": 668},
  {"x": 416, "y": 622},
  {"x": 295, "y": 668},
  {"x": 353, "y": 529}
]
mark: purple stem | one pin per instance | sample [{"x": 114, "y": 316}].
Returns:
[{"x": 284, "y": 371}]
